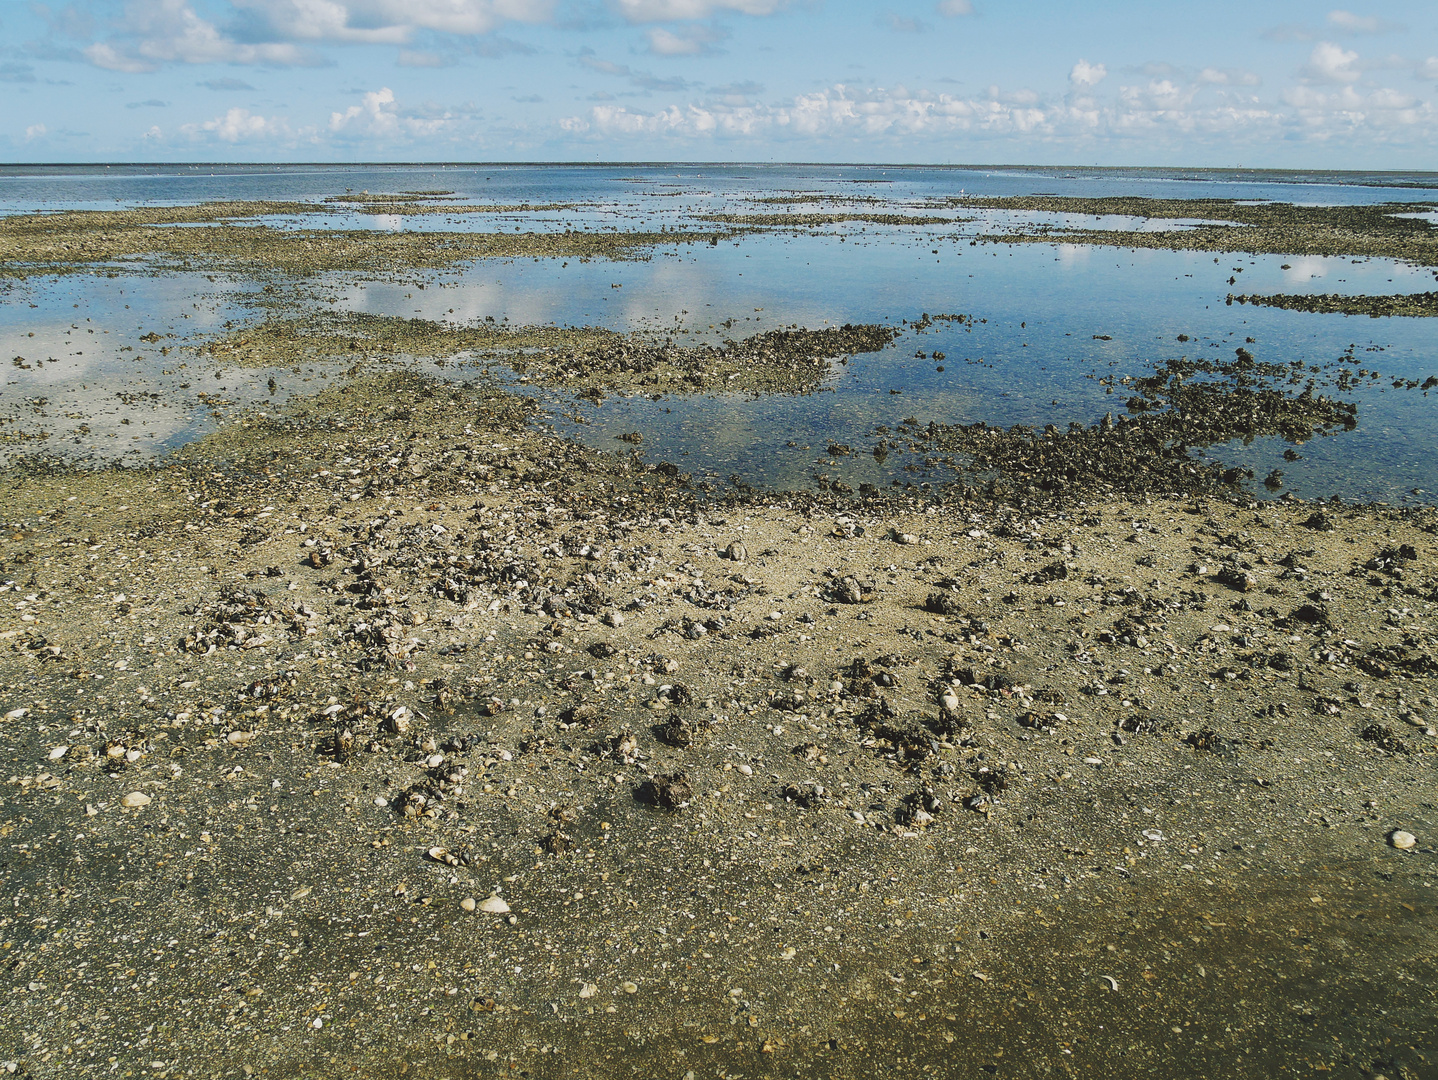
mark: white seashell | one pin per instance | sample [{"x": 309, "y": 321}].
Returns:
[{"x": 494, "y": 906}]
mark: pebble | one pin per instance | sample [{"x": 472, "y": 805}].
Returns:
[
  {"x": 434, "y": 761},
  {"x": 745, "y": 769},
  {"x": 468, "y": 903},
  {"x": 736, "y": 552},
  {"x": 905, "y": 538},
  {"x": 494, "y": 906},
  {"x": 630, "y": 988},
  {"x": 614, "y": 619},
  {"x": 135, "y": 800},
  {"x": 1402, "y": 840},
  {"x": 239, "y": 738}
]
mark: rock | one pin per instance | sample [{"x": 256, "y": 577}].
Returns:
[
  {"x": 614, "y": 619},
  {"x": 434, "y": 761},
  {"x": 1236, "y": 579},
  {"x": 240, "y": 738},
  {"x": 905, "y": 538},
  {"x": 1402, "y": 840},
  {"x": 135, "y": 800},
  {"x": 736, "y": 552},
  {"x": 942, "y": 603},
  {"x": 494, "y": 906},
  {"x": 468, "y": 903},
  {"x": 671, "y": 792}
]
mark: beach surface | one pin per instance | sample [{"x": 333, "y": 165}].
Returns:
[{"x": 387, "y": 732}]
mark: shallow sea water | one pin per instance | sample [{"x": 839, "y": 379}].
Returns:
[{"x": 1056, "y": 326}]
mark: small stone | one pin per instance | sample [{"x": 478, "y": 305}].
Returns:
[
  {"x": 434, "y": 761},
  {"x": 630, "y": 988},
  {"x": 905, "y": 538},
  {"x": 614, "y": 619},
  {"x": 239, "y": 738},
  {"x": 736, "y": 552},
  {"x": 135, "y": 800},
  {"x": 468, "y": 903},
  {"x": 1402, "y": 840},
  {"x": 494, "y": 906}
]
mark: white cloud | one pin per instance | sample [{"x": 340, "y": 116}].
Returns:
[
  {"x": 1428, "y": 69},
  {"x": 642, "y": 11},
  {"x": 1332, "y": 64},
  {"x": 379, "y": 116},
  {"x": 689, "y": 42},
  {"x": 388, "y": 21},
  {"x": 952, "y": 8},
  {"x": 1228, "y": 77},
  {"x": 35, "y": 131},
  {"x": 1350, "y": 23},
  {"x": 152, "y": 33},
  {"x": 239, "y": 125},
  {"x": 1177, "y": 110},
  {"x": 154, "y": 134},
  {"x": 156, "y": 32},
  {"x": 1086, "y": 74}
]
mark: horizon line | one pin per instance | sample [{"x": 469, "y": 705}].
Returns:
[{"x": 661, "y": 163}]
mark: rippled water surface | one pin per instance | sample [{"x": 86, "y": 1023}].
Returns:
[{"x": 1056, "y": 327}]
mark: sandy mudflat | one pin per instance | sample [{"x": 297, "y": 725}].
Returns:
[
  {"x": 390, "y": 734},
  {"x": 946, "y": 771}
]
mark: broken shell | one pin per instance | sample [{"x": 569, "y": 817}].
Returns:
[
  {"x": 135, "y": 800},
  {"x": 443, "y": 855},
  {"x": 59, "y": 752}
]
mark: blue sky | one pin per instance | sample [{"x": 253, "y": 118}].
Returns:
[{"x": 1209, "y": 82}]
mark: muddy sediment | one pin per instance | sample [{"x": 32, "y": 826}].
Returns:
[
  {"x": 1408, "y": 305},
  {"x": 1183, "y": 408},
  {"x": 160, "y": 238},
  {"x": 1377, "y": 231},
  {"x": 806, "y": 221},
  {"x": 594, "y": 363}
]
